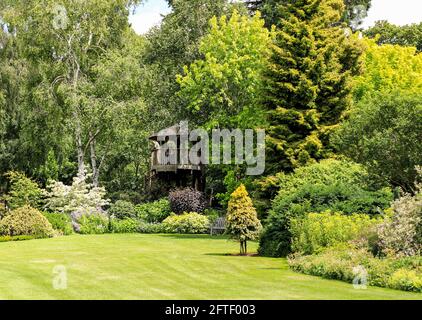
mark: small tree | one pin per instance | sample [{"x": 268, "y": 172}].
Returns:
[
  {"x": 22, "y": 191},
  {"x": 242, "y": 220}
]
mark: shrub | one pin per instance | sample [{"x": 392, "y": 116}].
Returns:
[
  {"x": 147, "y": 227},
  {"x": 22, "y": 191},
  {"x": 340, "y": 263},
  {"x": 80, "y": 197},
  {"x": 187, "y": 200},
  {"x": 407, "y": 280},
  {"x": 26, "y": 221},
  {"x": 122, "y": 209},
  {"x": 192, "y": 223},
  {"x": 15, "y": 238},
  {"x": 326, "y": 172},
  {"x": 242, "y": 223},
  {"x": 93, "y": 224},
  {"x": 153, "y": 212},
  {"x": 61, "y": 222},
  {"x": 320, "y": 230},
  {"x": 337, "y": 192},
  {"x": 124, "y": 226},
  {"x": 402, "y": 234}
]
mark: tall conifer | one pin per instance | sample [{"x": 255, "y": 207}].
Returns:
[{"x": 308, "y": 82}]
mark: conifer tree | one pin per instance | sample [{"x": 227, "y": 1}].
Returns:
[
  {"x": 242, "y": 221},
  {"x": 308, "y": 82}
]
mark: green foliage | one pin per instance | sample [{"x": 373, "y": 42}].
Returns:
[
  {"x": 383, "y": 133},
  {"x": 308, "y": 85},
  {"x": 402, "y": 233},
  {"x": 154, "y": 212},
  {"x": 213, "y": 214},
  {"x": 127, "y": 225},
  {"x": 93, "y": 224},
  {"x": 273, "y": 11},
  {"x": 122, "y": 210},
  {"x": 22, "y": 191},
  {"x": 316, "y": 231},
  {"x": 50, "y": 170},
  {"x": 148, "y": 227},
  {"x": 233, "y": 178},
  {"x": 242, "y": 223},
  {"x": 61, "y": 222},
  {"x": 187, "y": 223},
  {"x": 388, "y": 33},
  {"x": 170, "y": 47},
  {"x": 15, "y": 238},
  {"x": 318, "y": 188},
  {"x": 187, "y": 200},
  {"x": 225, "y": 86},
  {"x": 26, "y": 221},
  {"x": 388, "y": 68},
  {"x": 339, "y": 263}
]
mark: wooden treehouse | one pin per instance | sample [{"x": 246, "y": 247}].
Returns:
[{"x": 176, "y": 172}]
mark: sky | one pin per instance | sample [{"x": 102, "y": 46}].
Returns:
[{"x": 395, "y": 11}]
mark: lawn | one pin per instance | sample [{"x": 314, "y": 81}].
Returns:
[{"x": 160, "y": 267}]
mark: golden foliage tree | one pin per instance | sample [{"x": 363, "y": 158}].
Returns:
[{"x": 242, "y": 220}]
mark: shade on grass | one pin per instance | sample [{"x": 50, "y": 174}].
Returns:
[{"x": 160, "y": 267}]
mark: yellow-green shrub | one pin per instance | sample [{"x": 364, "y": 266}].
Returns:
[
  {"x": 402, "y": 273},
  {"x": 242, "y": 223},
  {"x": 186, "y": 223},
  {"x": 26, "y": 221},
  {"x": 320, "y": 230}
]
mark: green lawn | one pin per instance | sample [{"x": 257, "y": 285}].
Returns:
[{"x": 160, "y": 267}]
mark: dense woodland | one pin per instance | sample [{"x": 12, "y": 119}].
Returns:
[{"x": 80, "y": 93}]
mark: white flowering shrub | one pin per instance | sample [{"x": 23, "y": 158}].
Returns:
[
  {"x": 76, "y": 200},
  {"x": 401, "y": 234}
]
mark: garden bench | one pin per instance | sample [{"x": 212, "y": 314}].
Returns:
[{"x": 218, "y": 226}]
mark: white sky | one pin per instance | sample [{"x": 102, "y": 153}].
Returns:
[
  {"x": 395, "y": 11},
  {"x": 398, "y": 12}
]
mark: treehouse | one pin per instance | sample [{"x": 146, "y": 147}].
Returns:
[{"x": 170, "y": 163}]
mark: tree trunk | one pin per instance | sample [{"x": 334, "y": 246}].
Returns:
[
  {"x": 95, "y": 169},
  {"x": 79, "y": 146},
  {"x": 77, "y": 121}
]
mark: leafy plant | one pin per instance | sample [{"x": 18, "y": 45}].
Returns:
[
  {"x": 147, "y": 227},
  {"x": 127, "y": 225},
  {"x": 15, "y": 238},
  {"x": 317, "y": 231},
  {"x": 153, "y": 212},
  {"x": 93, "y": 224},
  {"x": 122, "y": 209},
  {"x": 402, "y": 233},
  {"x": 61, "y": 222},
  {"x": 309, "y": 190},
  {"x": 22, "y": 191},
  {"x": 187, "y": 200},
  {"x": 242, "y": 223},
  {"x": 383, "y": 134},
  {"x": 77, "y": 200},
  {"x": 26, "y": 221},
  {"x": 186, "y": 223},
  {"x": 341, "y": 263}
]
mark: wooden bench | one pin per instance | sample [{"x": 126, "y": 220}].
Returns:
[{"x": 218, "y": 226}]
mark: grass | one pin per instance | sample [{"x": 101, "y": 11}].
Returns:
[{"x": 160, "y": 267}]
